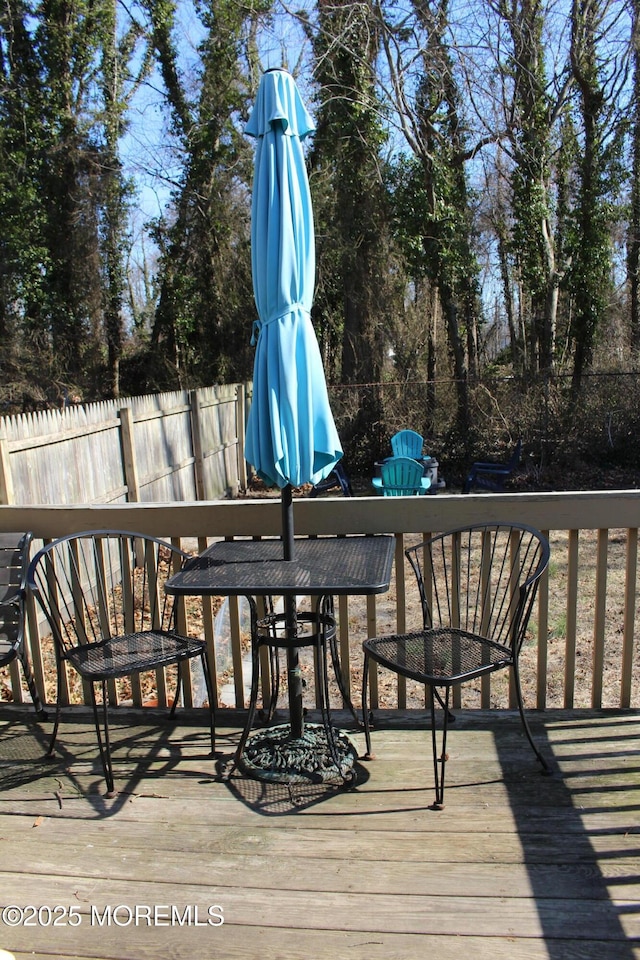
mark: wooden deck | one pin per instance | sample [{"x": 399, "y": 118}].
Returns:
[{"x": 517, "y": 866}]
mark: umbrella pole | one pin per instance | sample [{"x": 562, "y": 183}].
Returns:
[
  {"x": 286, "y": 505},
  {"x": 294, "y": 673}
]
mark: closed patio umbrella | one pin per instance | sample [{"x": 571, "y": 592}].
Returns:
[{"x": 291, "y": 438}]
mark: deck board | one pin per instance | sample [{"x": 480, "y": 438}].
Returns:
[{"x": 517, "y": 864}]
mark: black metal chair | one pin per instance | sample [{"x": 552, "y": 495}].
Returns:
[
  {"x": 477, "y": 585},
  {"x": 102, "y": 594},
  {"x": 14, "y": 560},
  {"x": 492, "y": 476}
]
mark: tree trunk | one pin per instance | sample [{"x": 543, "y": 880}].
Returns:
[{"x": 633, "y": 242}]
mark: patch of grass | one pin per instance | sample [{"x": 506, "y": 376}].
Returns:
[{"x": 558, "y": 628}]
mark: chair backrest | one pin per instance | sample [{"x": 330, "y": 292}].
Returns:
[
  {"x": 104, "y": 583},
  {"x": 481, "y": 578},
  {"x": 14, "y": 557},
  {"x": 407, "y": 443},
  {"x": 401, "y": 477}
]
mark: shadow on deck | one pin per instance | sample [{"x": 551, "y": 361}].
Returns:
[{"x": 517, "y": 865}]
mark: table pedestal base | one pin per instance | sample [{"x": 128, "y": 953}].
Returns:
[{"x": 273, "y": 755}]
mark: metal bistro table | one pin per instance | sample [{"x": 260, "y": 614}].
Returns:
[{"x": 322, "y": 568}]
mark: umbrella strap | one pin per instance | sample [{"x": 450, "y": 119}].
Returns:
[{"x": 259, "y": 324}]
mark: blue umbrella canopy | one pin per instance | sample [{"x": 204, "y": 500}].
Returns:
[{"x": 291, "y": 436}]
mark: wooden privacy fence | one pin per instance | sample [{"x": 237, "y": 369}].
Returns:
[
  {"x": 581, "y": 650},
  {"x": 186, "y": 445}
]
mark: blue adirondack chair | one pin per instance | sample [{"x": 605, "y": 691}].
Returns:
[
  {"x": 492, "y": 476},
  {"x": 407, "y": 443},
  {"x": 337, "y": 478},
  {"x": 401, "y": 477}
]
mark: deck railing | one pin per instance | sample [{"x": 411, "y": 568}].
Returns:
[{"x": 581, "y": 651}]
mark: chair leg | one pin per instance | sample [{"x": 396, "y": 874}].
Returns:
[
  {"x": 253, "y": 700},
  {"x": 172, "y": 712},
  {"x": 365, "y": 708},
  {"x": 104, "y": 744},
  {"x": 323, "y": 690},
  {"x": 450, "y": 716},
  {"x": 337, "y": 669},
  {"x": 31, "y": 683},
  {"x": 525, "y": 722},
  {"x": 274, "y": 674},
  {"x": 54, "y": 732},
  {"x": 211, "y": 694},
  {"x": 440, "y": 755},
  {"x": 328, "y": 608},
  {"x": 322, "y": 662},
  {"x": 56, "y": 722},
  {"x": 274, "y": 664}
]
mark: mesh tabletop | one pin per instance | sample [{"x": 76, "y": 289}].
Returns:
[
  {"x": 326, "y": 565},
  {"x": 443, "y": 654}
]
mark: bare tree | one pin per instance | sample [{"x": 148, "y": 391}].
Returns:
[
  {"x": 355, "y": 282},
  {"x": 420, "y": 80},
  {"x": 600, "y": 75},
  {"x": 633, "y": 241},
  {"x": 534, "y": 98}
]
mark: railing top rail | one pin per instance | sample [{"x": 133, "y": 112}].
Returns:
[{"x": 588, "y": 510}]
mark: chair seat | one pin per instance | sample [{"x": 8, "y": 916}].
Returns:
[
  {"x": 119, "y": 656},
  {"x": 441, "y": 656}
]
